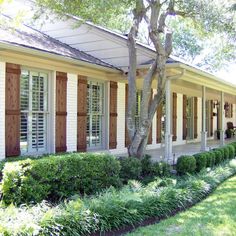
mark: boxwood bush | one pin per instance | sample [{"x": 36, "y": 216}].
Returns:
[
  {"x": 161, "y": 169},
  {"x": 218, "y": 156},
  {"x": 231, "y": 151},
  {"x": 57, "y": 177},
  {"x": 186, "y": 164},
  {"x": 131, "y": 168},
  {"x": 201, "y": 161}
]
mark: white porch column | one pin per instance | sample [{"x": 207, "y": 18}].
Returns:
[
  {"x": 71, "y": 123},
  {"x": 2, "y": 109},
  {"x": 203, "y": 133},
  {"x": 168, "y": 135},
  {"x": 222, "y": 120}
]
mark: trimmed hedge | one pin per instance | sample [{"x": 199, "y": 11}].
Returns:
[
  {"x": 131, "y": 168},
  {"x": 207, "y": 159},
  {"x": 113, "y": 209},
  {"x": 186, "y": 164},
  {"x": 57, "y": 177},
  {"x": 161, "y": 169},
  {"x": 201, "y": 161}
]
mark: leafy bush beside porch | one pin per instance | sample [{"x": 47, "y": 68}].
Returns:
[{"x": 57, "y": 177}]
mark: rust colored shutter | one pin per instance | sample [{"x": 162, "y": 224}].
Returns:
[
  {"x": 61, "y": 111},
  {"x": 174, "y": 117},
  {"x": 184, "y": 117},
  {"x": 12, "y": 123},
  {"x": 211, "y": 117},
  {"x": 150, "y": 130},
  {"x": 82, "y": 114},
  {"x": 195, "y": 117},
  {"x": 113, "y": 115},
  {"x": 127, "y": 140},
  {"x": 158, "y": 130},
  {"x": 231, "y": 110}
]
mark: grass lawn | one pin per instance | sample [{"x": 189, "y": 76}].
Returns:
[{"x": 216, "y": 215}]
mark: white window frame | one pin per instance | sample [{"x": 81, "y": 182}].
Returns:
[
  {"x": 105, "y": 118},
  {"x": 48, "y": 127}
]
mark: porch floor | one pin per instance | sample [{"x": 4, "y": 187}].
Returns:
[{"x": 185, "y": 149}]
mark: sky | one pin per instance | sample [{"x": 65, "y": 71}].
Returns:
[{"x": 228, "y": 74}]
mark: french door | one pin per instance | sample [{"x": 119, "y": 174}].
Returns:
[
  {"x": 95, "y": 115},
  {"x": 190, "y": 118},
  {"x": 34, "y": 110}
]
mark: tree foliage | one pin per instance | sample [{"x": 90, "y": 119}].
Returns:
[{"x": 203, "y": 18}]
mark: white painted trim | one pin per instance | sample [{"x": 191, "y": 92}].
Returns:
[
  {"x": 71, "y": 121},
  {"x": 52, "y": 119},
  {"x": 2, "y": 109},
  {"x": 120, "y": 148}
]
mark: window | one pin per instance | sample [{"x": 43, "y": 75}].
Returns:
[
  {"x": 95, "y": 114},
  {"x": 163, "y": 119},
  {"x": 190, "y": 122},
  {"x": 34, "y": 110},
  {"x": 138, "y": 108}
]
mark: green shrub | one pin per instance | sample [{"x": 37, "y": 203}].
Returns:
[
  {"x": 221, "y": 150},
  {"x": 226, "y": 152},
  {"x": 160, "y": 169},
  {"x": 218, "y": 157},
  {"x": 146, "y": 165},
  {"x": 212, "y": 157},
  {"x": 130, "y": 168},
  {"x": 186, "y": 164},
  {"x": 56, "y": 177},
  {"x": 201, "y": 161},
  {"x": 231, "y": 151},
  {"x": 234, "y": 145}
]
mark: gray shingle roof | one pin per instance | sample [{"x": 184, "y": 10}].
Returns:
[{"x": 28, "y": 37}]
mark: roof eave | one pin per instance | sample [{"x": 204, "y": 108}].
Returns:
[{"x": 49, "y": 55}]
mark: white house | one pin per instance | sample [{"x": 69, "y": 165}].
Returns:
[{"x": 64, "y": 89}]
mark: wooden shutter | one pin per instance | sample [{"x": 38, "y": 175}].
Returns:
[
  {"x": 127, "y": 140},
  {"x": 12, "y": 123},
  {"x": 184, "y": 117},
  {"x": 113, "y": 115},
  {"x": 195, "y": 116},
  {"x": 150, "y": 130},
  {"x": 61, "y": 111},
  {"x": 174, "y": 117},
  {"x": 231, "y": 110},
  {"x": 82, "y": 114},
  {"x": 158, "y": 128},
  {"x": 211, "y": 117}
]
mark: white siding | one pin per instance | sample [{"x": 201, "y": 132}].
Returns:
[
  {"x": 120, "y": 120},
  {"x": 71, "y": 123},
  {"x": 52, "y": 116},
  {"x": 2, "y": 109},
  {"x": 153, "y": 144},
  {"x": 179, "y": 120}
]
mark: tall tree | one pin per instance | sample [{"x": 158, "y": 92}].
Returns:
[{"x": 208, "y": 15}]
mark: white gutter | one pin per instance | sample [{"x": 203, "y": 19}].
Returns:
[
  {"x": 51, "y": 55},
  {"x": 206, "y": 75}
]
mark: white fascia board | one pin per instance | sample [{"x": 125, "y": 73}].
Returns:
[{"x": 48, "y": 55}]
